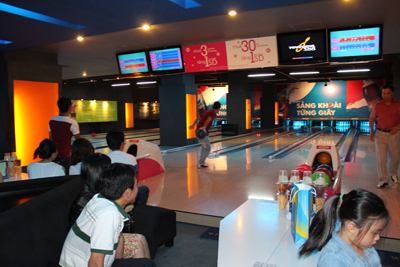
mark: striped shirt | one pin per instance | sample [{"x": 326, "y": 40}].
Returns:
[{"x": 96, "y": 230}]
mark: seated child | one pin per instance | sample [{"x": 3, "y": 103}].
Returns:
[
  {"x": 95, "y": 237},
  {"x": 47, "y": 151},
  {"x": 80, "y": 149},
  {"x": 362, "y": 217}
]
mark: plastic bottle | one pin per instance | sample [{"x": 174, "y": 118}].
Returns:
[{"x": 17, "y": 164}]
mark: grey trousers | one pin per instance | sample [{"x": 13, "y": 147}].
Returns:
[
  {"x": 387, "y": 145},
  {"x": 205, "y": 148}
]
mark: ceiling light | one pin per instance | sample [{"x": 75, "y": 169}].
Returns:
[
  {"x": 84, "y": 74},
  {"x": 305, "y": 72},
  {"x": 232, "y": 13},
  {"x": 354, "y": 70},
  {"x": 80, "y": 38},
  {"x": 120, "y": 84},
  {"x": 148, "y": 82},
  {"x": 146, "y": 27},
  {"x": 261, "y": 75}
]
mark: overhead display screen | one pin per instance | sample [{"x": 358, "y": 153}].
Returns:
[
  {"x": 133, "y": 63},
  {"x": 94, "y": 111},
  {"x": 302, "y": 47},
  {"x": 357, "y": 42},
  {"x": 169, "y": 59},
  {"x": 205, "y": 57}
]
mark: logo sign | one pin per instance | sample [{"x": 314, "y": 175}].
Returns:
[
  {"x": 252, "y": 53},
  {"x": 205, "y": 57},
  {"x": 323, "y": 147}
]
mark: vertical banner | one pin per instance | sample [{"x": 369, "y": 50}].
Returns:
[
  {"x": 252, "y": 53},
  {"x": 128, "y": 115},
  {"x": 248, "y": 113},
  {"x": 205, "y": 57},
  {"x": 191, "y": 115}
]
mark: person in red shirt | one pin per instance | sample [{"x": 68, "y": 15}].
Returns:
[
  {"x": 387, "y": 136},
  {"x": 61, "y": 130},
  {"x": 205, "y": 122}
]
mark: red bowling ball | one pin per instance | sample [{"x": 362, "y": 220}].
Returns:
[{"x": 306, "y": 167}]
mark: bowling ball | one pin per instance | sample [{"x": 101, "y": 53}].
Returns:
[
  {"x": 201, "y": 133},
  {"x": 329, "y": 192},
  {"x": 93, "y": 134},
  {"x": 325, "y": 171},
  {"x": 327, "y": 179},
  {"x": 306, "y": 167},
  {"x": 324, "y": 158},
  {"x": 327, "y": 167}
]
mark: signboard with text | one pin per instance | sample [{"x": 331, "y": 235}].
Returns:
[
  {"x": 94, "y": 111},
  {"x": 336, "y": 99},
  {"x": 252, "y": 53},
  {"x": 205, "y": 57}
]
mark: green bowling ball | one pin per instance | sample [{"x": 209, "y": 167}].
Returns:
[{"x": 327, "y": 179}]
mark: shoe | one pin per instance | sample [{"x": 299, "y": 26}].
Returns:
[
  {"x": 381, "y": 184},
  {"x": 203, "y": 166},
  {"x": 394, "y": 179}
]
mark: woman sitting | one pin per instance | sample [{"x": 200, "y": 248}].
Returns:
[
  {"x": 135, "y": 245},
  {"x": 47, "y": 151},
  {"x": 80, "y": 149}
]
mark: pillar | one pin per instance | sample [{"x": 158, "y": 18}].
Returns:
[
  {"x": 173, "y": 115},
  {"x": 236, "y": 100},
  {"x": 267, "y": 105}
]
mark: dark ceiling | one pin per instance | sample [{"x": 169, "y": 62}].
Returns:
[{"x": 110, "y": 27}]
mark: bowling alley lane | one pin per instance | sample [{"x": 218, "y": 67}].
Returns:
[{"x": 231, "y": 178}]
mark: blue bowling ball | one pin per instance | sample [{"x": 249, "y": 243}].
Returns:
[{"x": 201, "y": 133}]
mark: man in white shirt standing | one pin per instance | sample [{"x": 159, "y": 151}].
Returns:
[
  {"x": 116, "y": 142},
  {"x": 61, "y": 130}
]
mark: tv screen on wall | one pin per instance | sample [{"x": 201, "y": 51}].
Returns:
[
  {"x": 166, "y": 60},
  {"x": 302, "y": 47},
  {"x": 361, "y": 43},
  {"x": 133, "y": 63}
]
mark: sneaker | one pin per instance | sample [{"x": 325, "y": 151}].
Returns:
[
  {"x": 394, "y": 179},
  {"x": 381, "y": 184},
  {"x": 203, "y": 166}
]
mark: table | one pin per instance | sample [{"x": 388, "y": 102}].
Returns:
[{"x": 257, "y": 234}]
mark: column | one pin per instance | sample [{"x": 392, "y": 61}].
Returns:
[{"x": 173, "y": 115}]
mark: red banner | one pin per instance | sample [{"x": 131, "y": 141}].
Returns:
[{"x": 205, "y": 57}]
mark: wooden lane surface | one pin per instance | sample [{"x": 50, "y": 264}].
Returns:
[
  {"x": 363, "y": 174},
  {"x": 229, "y": 181}
]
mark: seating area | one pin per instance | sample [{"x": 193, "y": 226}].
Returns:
[{"x": 33, "y": 232}]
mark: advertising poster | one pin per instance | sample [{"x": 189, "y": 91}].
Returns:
[
  {"x": 147, "y": 111},
  {"x": 338, "y": 99},
  {"x": 255, "y": 93},
  {"x": 207, "y": 95},
  {"x": 205, "y": 57},
  {"x": 252, "y": 53},
  {"x": 94, "y": 111}
]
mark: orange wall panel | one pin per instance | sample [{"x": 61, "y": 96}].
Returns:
[
  {"x": 248, "y": 113},
  {"x": 35, "y": 103},
  {"x": 129, "y": 115},
  {"x": 191, "y": 114}
]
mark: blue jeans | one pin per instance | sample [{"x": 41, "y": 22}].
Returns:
[{"x": 205, "y": 148}]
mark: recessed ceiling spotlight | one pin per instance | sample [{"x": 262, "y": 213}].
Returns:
[
  {"x": 80, "y": 38},
  {"x": 146, "y": 26},
  {"x": 84, "y": 74},
  {"x": 232, "y": 13}
]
